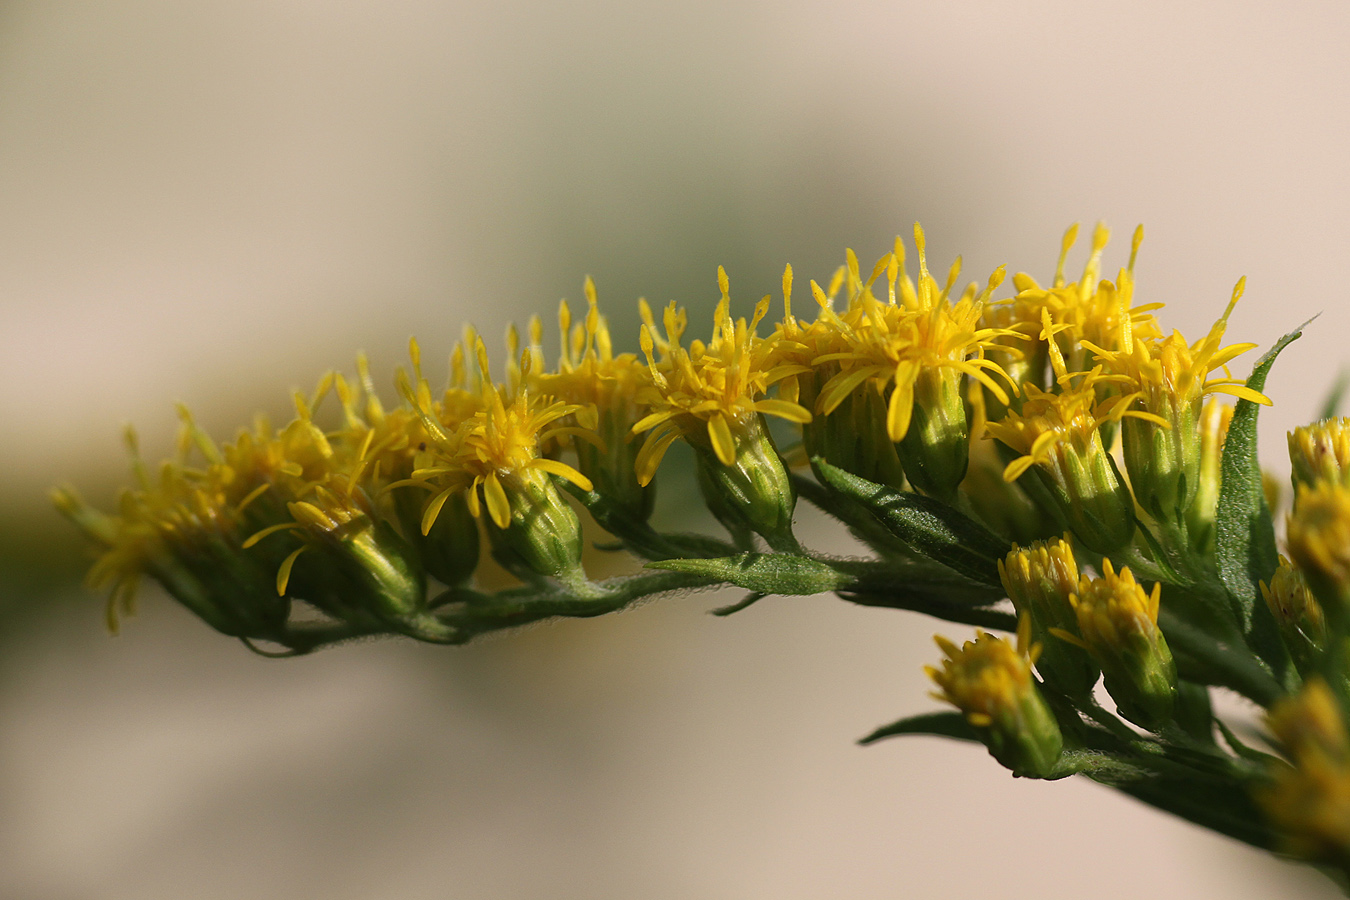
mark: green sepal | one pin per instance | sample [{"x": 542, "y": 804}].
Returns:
[
  {"x": 1244, "y": 544},
  {"x": 937, "y": 724},
  {"x": 931, "y": 528}
]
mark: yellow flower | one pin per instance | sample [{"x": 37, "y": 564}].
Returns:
[
  {"x": 713, "y": 396},
  {"x": 1320, "y": 451},
  {"x": 990, "y": 681},
  {"x": 495, "y": 459},
  {"x": 1060, "y": 435},
  {"x": 1118, "y": 624},
  {"x": 853, "y": 435},
  {"x": 712, "y": 393},
  {"x": 604, "y": 387},
  {"x": 1318, "y": 538},
  {"x": 1309, "y": 801},
  {"x": 917, "y": 338},
  {"x": 1168, "y": 379},
  {"x": 1040, "y": 580},
  {"x": 1056, "y": 320}
]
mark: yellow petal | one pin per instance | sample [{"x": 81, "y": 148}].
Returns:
[
  {"x": 284, "y": 573},
  {"x": 899, "y": 410},
  {"x": 499, "y": 508},
  {"x": 434, "y": 509},
  {"x": 724, "y": 445},
  {"x": 784, "y": 410},
  {"x": 562, "y": 470}
]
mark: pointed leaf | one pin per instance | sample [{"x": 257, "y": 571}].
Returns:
[
  {"x": 938, "y": 724},
  {"x": 1244, "y": 534}
]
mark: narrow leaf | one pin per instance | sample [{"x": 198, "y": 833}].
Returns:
[
  {"x": 1244, "y": 535},
  {"x": 938, "y": 724}
]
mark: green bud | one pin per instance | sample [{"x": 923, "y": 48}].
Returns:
[
  {"x": 1164, "y": 460},
  {"x": 935, "y": 450},
  {"x": 1299, "y": 616},
  {"x": 541, "y": 534},
  {"x": 449, "y": 548},
  {"x": 611, "y": 465},
  {"x": 853, "y": 438},
  {"x": 1040, "y": 581},
  {"x": 355, "y": 568},
  {"x": 754, "y": 491}
]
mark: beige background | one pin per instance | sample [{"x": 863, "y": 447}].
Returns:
[{"x": 213, "y": 202}]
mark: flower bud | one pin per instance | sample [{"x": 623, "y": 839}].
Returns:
[
  {"x": 449, "y": 548},
  {"x": 1318, "y": 538},
  {"x": 1298, "y": 615},
  {"x": 355, "y": 568},
  {"x": 1039, "y": 580},
  {"x": 1308, "y": 802},
  {"x": 1060, "y": 439},
  {"x": 1162, "y": 454},
  {"x": 1320, "y": 451},
  {"x": 610, "y": 464},
  {"x": 753, "y": 490},
  {"x": 1119, "y": 627},
  {"x": 853, "y": 438},
  {"x": 530, "y": 525},
  {"x": 935, "y": 450},
  {"x": 991, "y": 683}
]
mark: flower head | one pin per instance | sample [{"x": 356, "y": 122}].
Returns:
[
  {"x": 1320, "y": 451},
  {"x": 1309, "y": 800},
  {"x": 494, "y": 458},
  {"x": 1041, "y": 580},
  {"x": 1118, "y": 624},
  {"x": 709, "y": 393},
  {"x": 915, "y": 351},
  {"x": 1318, "y": 538},
  {"x": 990, "y": 681},
  {"x": 604, "y": 387},
  {"x": 1059, "y": 435},
  {"x": 713, "y": 396}
]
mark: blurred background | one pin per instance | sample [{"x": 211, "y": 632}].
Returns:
[{"x": 214, "y": 202}]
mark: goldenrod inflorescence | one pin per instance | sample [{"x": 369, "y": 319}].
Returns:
[{"x": 1051, "y": 448}]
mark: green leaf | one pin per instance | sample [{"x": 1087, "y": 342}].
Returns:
[
  {"x": 765, "y": 573},
  {"x": 1244, "y": 534},
  {"x": 931, "y": 528},
  {"x": 938, "y": 724}
]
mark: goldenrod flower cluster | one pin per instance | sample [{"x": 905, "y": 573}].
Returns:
[{"x": 1002, "y": 442}]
